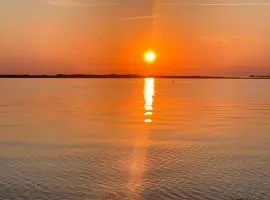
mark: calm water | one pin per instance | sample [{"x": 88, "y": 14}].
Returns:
[{"x": 134, "y": 139}]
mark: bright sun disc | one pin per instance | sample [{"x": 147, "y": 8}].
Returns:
[{"x": 150, "y": 56}]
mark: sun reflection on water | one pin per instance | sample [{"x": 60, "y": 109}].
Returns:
[
  {"x": 149, "y": 92},
  {"x": 138, "y": 163}
]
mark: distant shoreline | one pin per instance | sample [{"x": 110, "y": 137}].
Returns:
[{"x": 88, "y": 76}]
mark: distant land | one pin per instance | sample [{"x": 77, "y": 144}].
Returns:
[{"x": 124, "y": 76}]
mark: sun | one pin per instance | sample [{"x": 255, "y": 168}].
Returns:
[{"x": 150, "y": 56}]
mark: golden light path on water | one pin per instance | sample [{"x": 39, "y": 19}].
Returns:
[
  {"x": 149, "y": 92},
  {"x": 140, "y": 143}
]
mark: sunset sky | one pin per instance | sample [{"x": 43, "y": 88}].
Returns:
[{"x": 218, "y": 37}]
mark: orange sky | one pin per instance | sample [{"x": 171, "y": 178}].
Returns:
[{"x": 110, "y": 36}]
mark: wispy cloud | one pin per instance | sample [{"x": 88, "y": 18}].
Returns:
[
  {"x": 78, "y": 3},
  {"x": 140, "y": 17},
  {"x": 81, "y": 3},
  {"x": 224, "y": 39},
  {"x": 215, "y": 4}
]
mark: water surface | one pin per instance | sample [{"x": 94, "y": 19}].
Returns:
[{"x": 134, "y": 139}]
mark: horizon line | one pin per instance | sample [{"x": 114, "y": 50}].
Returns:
[{"x": 112, "y": 75}]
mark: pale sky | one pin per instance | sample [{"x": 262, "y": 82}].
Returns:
[{"x": 221, "y": 37}]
